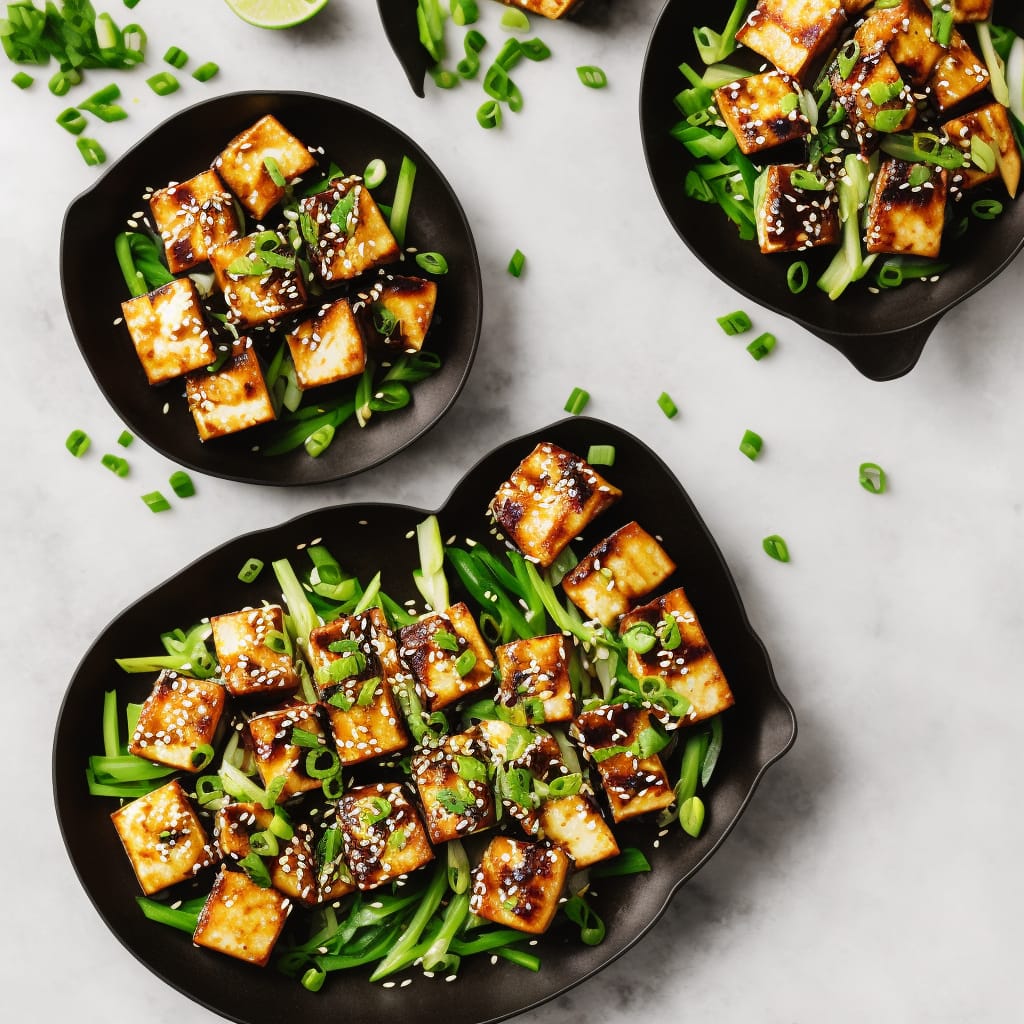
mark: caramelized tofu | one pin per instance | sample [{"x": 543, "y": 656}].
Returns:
[
  {"x": 959, "y": 75},
  {"x": 382, "y": 833},
  {"x": 519, "y": 884},
  {"x": 762, "y": 111},
  {"x": 793, "y": 219},
  {"x": 193, "y": 217},
  {"x": 873, "y": 85},
  {"x": 164, "y": 838},
  {"x": 794, "y": 35},
  {"x": 264, "y": 295},
  {"x": 242, "y": 920},
  {"x": 905, "y": 31},
  {"x": 328, "y": 347},
  {"x": 990, "y": 124},
  {"x": 242, "y": 164},
  {"x": 397, "y": 312},
  {"x": 232, "y": 399},
  {"x": 545, "y": 8},
  {"x": 277, "y": 754},
  {"x": 576, "y": 825},
  {"x": 169, "y": 331},
  {"x": 427, "y": 650},
  {"x": 972, "y": 10},
  {"x": 855, "y": 6},
  {"x": 904, "y": 218},
  {"x": 248, "y": 666},
  {"x": 535, "y": 676},
  {"x": 625, "y": 566},
  {"x": 551, "y": 497},
  {"x": 179, "y": 716}
]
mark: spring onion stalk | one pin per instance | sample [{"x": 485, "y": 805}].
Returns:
[
  {"x": 111, "y": 736},
  {"x": 437, "y": 955},
  {"x": 458, "y": 867},
  {"x": 126, "y": 768},
  {"x": 431, "y": 551},
  {"x": 849, "y": 264},
  {"x": 563, "y": 619},
  {"x": 486, "y": 942},
  {"x": 592, "y": 928},
  {"x": 302, "y": 613},
  {"x": 761, "y": 346},
  {"x": 183, "y": 920},
  {"x": 403, "y": 199},
  {"x": 397, "y": 958},
  {"x": 430, "y": 19},
  {"x": 519, "y": 957},
  {"x": 630, "y": 861},
  {"x": 120, "y": 790},
  {"x": 369, "y": 596},
  {"x": 716, "y": 46},
  {"x": 485, "y": 592},
  {"x": 994, "y": 63},
  {"x": 713, "y": 751}
]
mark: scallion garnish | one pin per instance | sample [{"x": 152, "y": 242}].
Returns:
[
  {"x": 432, "y": 262},
  {"x": 313, "y": 979},
  {"x": 735, "y": 323},
  {"x": 115, "y": 464},
  {"x": 206, "y": 71},
  {"x": 515, "y": 20},
  {"x": 403, "y": 199},
  {"x": 775, "y": 547},
  {"x": 163, "y": 83},
  {"x": 22, "y": 81},
  {"x": 156, "y": 501},
  {"x": 77, "y": 443},
  {"x": 987, "y": 209},
  {"x": 808, "y": 181},
  {"x": 577, "y": 401},
  {"x": 592, "y": 76},
  {"x": 872, "y": 478},
  {"x": 488, "y": 114},
  {"x": 534, "y": 49},
  {"x": 181, "y": 484},
  {"x": 274, "y": 170},
  {"x": 667, "y": 406},
  {"x": 751, "y": 444},
  {"x": 465, "y": 12},
  {"x": 375, "y": 173},
  {"x": 446, "y": 641},
  {"x": 601, "y": 455},
  {"x": 176, "y": 57},
  {"x": 319, "y": 441},
  {"x": 847, "y": 57},
  {"x": 71, "y": 120},
  {"x": 125, "y": 439},
  {"x": 640, "y": 637},
  {"x": 252, "y": 864},
  {"x": 761, "y": 345},
  {"x": 92, "y": 152},
  {"x": 517, "y": 263},
  {"x": 321, "y": 763},
  {"x": 691, "y": 816},
  {"x": 252, "y": 568},
  {"x": 465, "y": 663},
  {"x": 202, "y": 756},
  {"x": 891, "y": 120},
  {"x": 592, "y": 928}
]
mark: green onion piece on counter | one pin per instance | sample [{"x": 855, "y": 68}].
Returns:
[
  {"x": 319, "y": 441},
  {"x": 987, "y": 209},
  {"x": 601, "y": 455},
  {"x": 77, "y": 443},
  {"x": 22, "y": 81},
  {"x": 775, "y": 547},
  {"x": 488, "y": 114},
  {"x": 691, "y": 816},
  {"x": 375, "y": 173},
  {"x": 517, "y": 263},
  {"x": 403, "y": 199},
  {"x": 510, "y": 54},
  {"x": 445, "y": 79},
  {"x": 181, "y": 484},
  {"x": 465, "y": 12},
  {"x": 92, "y": 152},
  {"x": 125, "y": 439},
  {"x": 176, "y": 57},
  {"x": 751, "y": 444},
  {"x": 156, "y": 501},
  {"x": 667, "y": 406},
  {"x": 592, "y": 76},
  {"x": 761, "y": 345},
  {"x": 60, "y": 84},
  {"x": 515, "y": 20},
  {"x": 577, "y": 401},
  {"x": 131, "y": 3},
  {"x": 206, "y": 71},
  {"x": 592, "y": 928},
  {"x": 71, "y": 120},
  {"x": 432, "y": 262},
  {"x": 274, "y": 170},
  {"x": 163, "y": 83},
  {"x": 116, "y": 464},
  {"x": 534, "y": 49},
  {"x": 252, "y": 568},
  {"x": 872, "y": 478},
  {"x": 735, "y": 323}
]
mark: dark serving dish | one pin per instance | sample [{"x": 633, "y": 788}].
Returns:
[
  {"x": 882, "y": 335},
  {"x": 758, "y": 730},
  {"x": 183, "y": 146}
]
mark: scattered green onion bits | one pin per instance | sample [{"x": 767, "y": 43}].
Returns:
[
  {"x": 71, "y": 120},
  {"x": 274, "y": 170},
  {"x": 206, "y": 71},
  {"x": 798, "y": 276},
  {"x": 488, "y": 115},
  {"x": 735, "y": 323},
  {"x": 577, "y": 401},
  {"x": 181, "y": 484},
  {"x": 775, "y": 547},
  {"x": 592, "y": 76},
  {"x": 515, "y": 20},
  {"x": 156, "y": 501},
  {"x": 375, "y": 173},
  {"x": 667, "y": 406},
  {"x": 761, "y": 345},
  {"x": 22, "y": 81},
  {"x": 432, "y": 262},
  {"x": 176, "y": 57},
  {"x": 92, "y": 152},
  {"x": 163, "y": 83},
  {"x": 872, "y": 477},
  {"x": 125, "y": 438},
  {"x": 465, "y": 12},
  {"x": 987, "y": 209},
  {"x": 601, "y": 455},
  {"x": 319, "y": 441},
  {"x": 77, "y": 443},
  {"x": 751, "y": 444},
  {"x": 116, "y": 464},
  {"x": 516, "y": 264},
  {"x": 252, "y": 568}
]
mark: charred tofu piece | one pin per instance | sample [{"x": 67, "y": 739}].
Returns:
[
  {"x": 243, "y": 164},
  {"x": 905, "y": 218},
  {"x": 257, "y": 293},
  {"x": 169, "y": 331},
  {"x": 972, "y": 10},
  {"x": 432, "y": 648},
  {"x": 794, "y": 35},
  {"x": 242, "y": 920},
  {"x": 350, "y": 231},
  {"x": 991, "y": 126},
  {"x": 687, "y": 666},
  {"x": 271, "y": 736},
  {"x": 328, "y": 347},
  {"x": 180, "y": 716},
  {"x": 382, "y": 833},
  {"x": 164, "y": 838},
  {"x": 193, "y": 217},
  {"x": 535, "y": 676},
  {"x": 519, "y": 884},
  {"x": 232, "y": 399},
  {"x": 763, "y": 111},
  {"x": 397, "y": 312},
  {"x": 612, "y": 737},
  {"x": 905, "y": 31},
  {"x": 625, "y": 566},
  {"x": 355, "y": 660},
  {"x": 873, "y": 85},
  {"x": 545, "y": 8},
  {"x": 959, "y": 75},
  {"x": 248, "y": 666},
  {"x": 791, "y": 218},
  {"x": 551, "y": 497},
  {"x": 453, "y": 784}
]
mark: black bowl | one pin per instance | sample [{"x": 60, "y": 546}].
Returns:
[
  {"x": 758, "y": 730},
  {"x": 882, "y": 335},
  {"x": 181, "y": 147}
]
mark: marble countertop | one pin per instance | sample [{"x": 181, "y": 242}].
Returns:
[{"x": 876, "y": 873}]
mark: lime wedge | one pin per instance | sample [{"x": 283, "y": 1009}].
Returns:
[{"x": 276, "y": 13}]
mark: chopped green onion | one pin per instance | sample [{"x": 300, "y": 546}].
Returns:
[
  {"x": 751, "y": 444},
  {"x": 807, "y": 180},
  {"x": 313, "y": 979},
  {"x": 516, "y": 263},
  {"x": 432, "y": 262},
  {"x": 206, "y": 71},
  {"x": 125, "y": 439},
  {"x": 403, "y": 199},
  {"x": 322, "y": 763},
  {"x": 987, "y": 209},
  {"x": 601, "y": 455},
  {"x": 716, "y": 46},
  {"x": 691, "y": 816},
  {"x": 367, "y": 692},
  {"x": 735, "y": 323},
  {"x": 333, "y": 787},
  {"x": 92, "y": 152},
  {"x": 274, "y": 170},
  {"x": 592, "y": 928},
  {"x": 775, "y": 547},
  {"x": 847, "y": 57},
  {"x": 71, "y": 120},
  {"x": 577, "y": 401},
  {"x": 983, "y": 156},
  {"x": 515, "y": 20},
  {"x": 994, "y": 63},
  {"x": 202, "y": 756},
  {"x": 885, "y": 92},
  {"x": 919, "y": 174},
  {"x": 592, "y": 76},
  {"x": 163, "y": 83},
  {"x": 488, "y": 115},
  {"x": 872, "y": 477},
  {"x": 181, "y": 484},
  {"x": 465, "y": 12},
  {"x": 319, "y": 441},
  {"x": 60, "y": 84},
  {"x": 176, "y": 57},
  {"x": 208, "y": 789},
  {"x": 667, "y": 406},
  {"x": 446, "y": 641},
  {"x": 183, "y": 920},
  {"x": 762, "y": 345},
  {"x": 375, "y": 173},
  {"x": 22, "y": 81},
  {"x": 533, "y": 49},
  {"x": 156, "y": 501},
  {"x": 252, "y": 568},
  {"x": 465, "y": 663},
  {"x": 115, "y": 464},
  {"x": 252, "y": 864},
  {"x": 77, "y": 443}
]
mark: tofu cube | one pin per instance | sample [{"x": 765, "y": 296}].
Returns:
[
  {"x": 242, "y": 920},
  {"x": 545, "y": 8},
  {"x": 625, "y": 566},
  {"x": 576, "y": 825},
  {"x": 690, "y": 668},
  {"x": 398, "y": 312},
  {"x": 535, "y": 676},
  {"x": 382, "y": 834},
  {"x": 328, "y": 347},
  {"x": 959, "y": 75},
  {"x": 365, "y": 718},
  {"x": 855, "y": 6},
  {"x": 552, "y": 496},
  {"x": 904, "y": 218},
  {"x": 242, "y": 164},
  {"x": 905, "y": 31},
  {"x": 351, "y": 233},
  {"x": 794, "y": 35},
  {"x": 256, "y": 297},
  {"x": 248, "y": 666},
  {"x": 634, "y": 785},
  {"x": 193, "y": 217},
  {"x": 972, "y": 10},
  {"x": 232, "y": 399},
  {"x": 762, "y": 111},
  {"x": 873, "y": 85},
  {"x": 794, "y": 219},
  {"x": 990, "y": 124},
  {"x": 179, "y": 716},
  {"x": 275, "y": 752},
  {"x": 164, "y": 838},
  {"x": 519, "y": 884},
  {"x": 168, "y": 330},
  {"x": 426, "y": 649}
]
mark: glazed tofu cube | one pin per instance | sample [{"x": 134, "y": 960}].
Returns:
[
  {"x": 397, "y": 312},
  {"x": 427, "y": 648},
  {"x": 762, "y": 111},
  {"x": 328, "y": 347},
  {"x": 625, "y": 566},
  {"x": 164, "y": 838},
  {"x": 333, "y": 875},
  {"x": 990, "y": 124},
  {"x": 242, "y": 920},
  {"x": 179, "y": 716},
  {"x": 959, "y": 75},
  {"x": 382, "y": 833},
  {"x": 688, "y": 667},
  {"x": 243, "y": 164},
  {"x": 794, "y": 35},
  {"x": 873, "y": 85},
  {"x": 576, "y": 825},
  {"x": 452, "y": 781},
  {"x": 904, "y": 218},
  {"x": 275, "y": 751},
  {"x": 545, "y": 8},
  {"x": 519, "y": 884},
  {"x": 169, "y": 331},
  {"x": 355, "y": 660},
  {"x": 535, "y": 676},
  {"x": 254, "y": 295},
  {"x": 972, "y": 10},
  {"x": 193, "y": 217},
  {"x": 248, "y": 666},
  {"x": 232, "y": 399},
  {"x": 351, "y": 233},
  {"x": 905, "y": 31},
  {"x": 634, "y": 785},
  {"x": 791, "y": 218},
  {"x": 551, "y": 497}
]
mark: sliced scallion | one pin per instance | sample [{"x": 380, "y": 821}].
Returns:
[
  {"x": 375, "y": 173},
  {"x": 515, "y": 20},
  {"x": 71, "y": 120},
  {"x": 77, "y": 443},
  {"x": 847, "y": 57},
  {"x": 592, "y": 76},
  {"x": 125, "y": 439},
  {"x": 735, "y": 323},
  {"x": 761, "y": 345},
  {"x": 116, "y": 464},
  {"x": 987, "y": 209},
  {"x": 577, "y": 401},
  {"x": 181, "y": 483},
  {"x": 751, "y": 444},
  {"x": 432, "y": 262},
  {"x": 775, "y": 547},
  {"x": 156, "y": 502},
  {"x": 872, "y": 478},
  {"x": 403, "y": 199},
  {"x": 601, "y": 455},
  {"x": 667, "y": 406},
  {"x": 488, "y": 114},
  {"x": 206, "y": 71},
  {"x": 163, "y": 83},
  {"x": 517, "y": 263},
  {"x": 176, "y": 57},
  {"x": 274, "y": 170},
  {"x": 691, "y": 816},
  {"x": 92, "y": 152},
  {"x": 22, "y": 80},
  {"x": 465, "y": 663},
  {"x": 319, "y": 441},
  {"x": 252, "y": 568}
]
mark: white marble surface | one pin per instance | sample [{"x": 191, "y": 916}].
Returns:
[{"x": 877, "y": 872}]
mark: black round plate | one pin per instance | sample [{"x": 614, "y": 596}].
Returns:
[
  {"x": 180, "y": 148},
  {"x": 758, "y": 730},
  {"x": 882, "y": 335}
]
